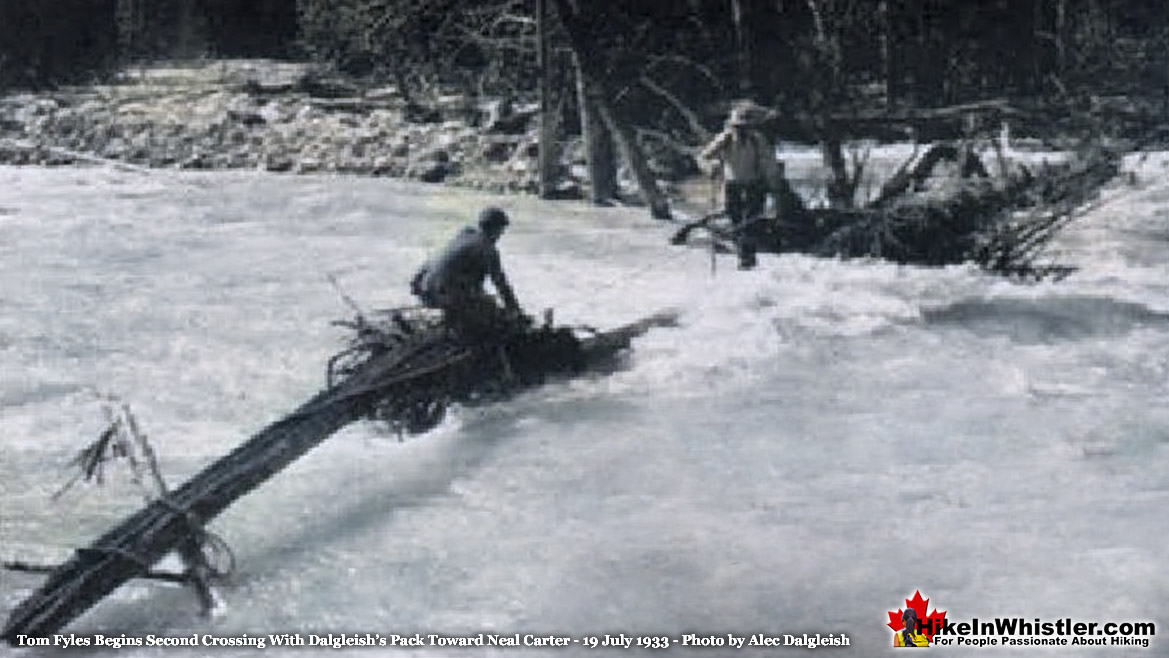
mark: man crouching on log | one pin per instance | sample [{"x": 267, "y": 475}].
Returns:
[
  {"x": 452, "y": 281},
  {"x": 748, "y": 167}
]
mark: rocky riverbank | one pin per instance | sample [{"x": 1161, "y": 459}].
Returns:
[{"x": 279, "y": 117}]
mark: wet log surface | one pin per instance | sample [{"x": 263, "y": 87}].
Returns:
[{"x": 400, "y": 366}]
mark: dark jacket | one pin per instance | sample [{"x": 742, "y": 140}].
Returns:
[{"x": 459, "y": 270}]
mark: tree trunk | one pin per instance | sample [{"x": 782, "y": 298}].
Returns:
[
  {"x": 659, "y": 206},
  {"x": 1061, "y": 22},
  {"x": 547, "y": 155},
  {"x": 889, "y": 70},
  {"x": 598, "y": 143},
  {"x": 841, "y": 188},
  {"x": 142, "y": 539},
  {"x": 594, "y": 78},
  {"x": 191, "y": 35},
  {"x": 430, "y": 361},
  {"x": 742, "y": 45}
]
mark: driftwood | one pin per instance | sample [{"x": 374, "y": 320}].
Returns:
[
  {"x": 470, "y": 375},
  {"x": 64, "y": 155},
  {"x": 915, "y": 172},
  {"x": 123, "y": 440},
  {"x": 162, "y": 576},
  {"x": 999, "y": 224},
  {"x": 388, "y": 370},
  {"x": 135, "y": 545}
]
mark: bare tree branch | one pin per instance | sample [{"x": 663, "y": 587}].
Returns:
[
  {"x": 658, "y": 60},
  {"x": 689, "y": 115}
]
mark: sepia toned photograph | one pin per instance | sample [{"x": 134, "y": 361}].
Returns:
[{"x": 438, "y": 328}]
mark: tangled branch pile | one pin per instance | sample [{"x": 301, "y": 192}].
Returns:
[
  {"x": 441, "y": 369},
  {"x": 1013, "y": 243},
  {"x": 1001, "y": 224}
]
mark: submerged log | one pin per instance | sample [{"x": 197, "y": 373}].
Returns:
[{"x": 427, "y": 358}]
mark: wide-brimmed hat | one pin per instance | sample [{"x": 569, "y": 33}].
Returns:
[{"x": 746, "y": 114}]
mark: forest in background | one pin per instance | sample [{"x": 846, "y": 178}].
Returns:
[
  {"x": 794, "y": 55},
  {"x": 648, "y": 82}
]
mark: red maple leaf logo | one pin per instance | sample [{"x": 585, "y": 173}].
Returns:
[{"x": 930, "y": 624}]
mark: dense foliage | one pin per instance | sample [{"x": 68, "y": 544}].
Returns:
[
  {"x": 45, "y": 43},
  {"x": 67, "y": 40},
  {"x": 801, "y": 56}
]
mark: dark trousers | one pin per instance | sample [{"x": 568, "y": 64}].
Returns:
[
  {"x": 470, "y": 314},
  {"x": 744, "y": 203}
]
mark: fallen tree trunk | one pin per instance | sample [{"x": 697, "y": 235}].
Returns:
[
  {"x": 134, "y": 546},
  {"x": 1001, "y": 225},
  {"x": 393, "y": 369},
  {"x": 907, "y": 177},
  {"x": 163, "y": 576}
]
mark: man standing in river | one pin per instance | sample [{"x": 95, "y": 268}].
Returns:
[{"x": 748, "y": 167}]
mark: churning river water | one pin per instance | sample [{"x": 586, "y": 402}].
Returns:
[{"x": 817, "y": 441}]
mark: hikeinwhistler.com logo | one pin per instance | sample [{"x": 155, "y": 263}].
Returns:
[{"x": 913, "y": 626}]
